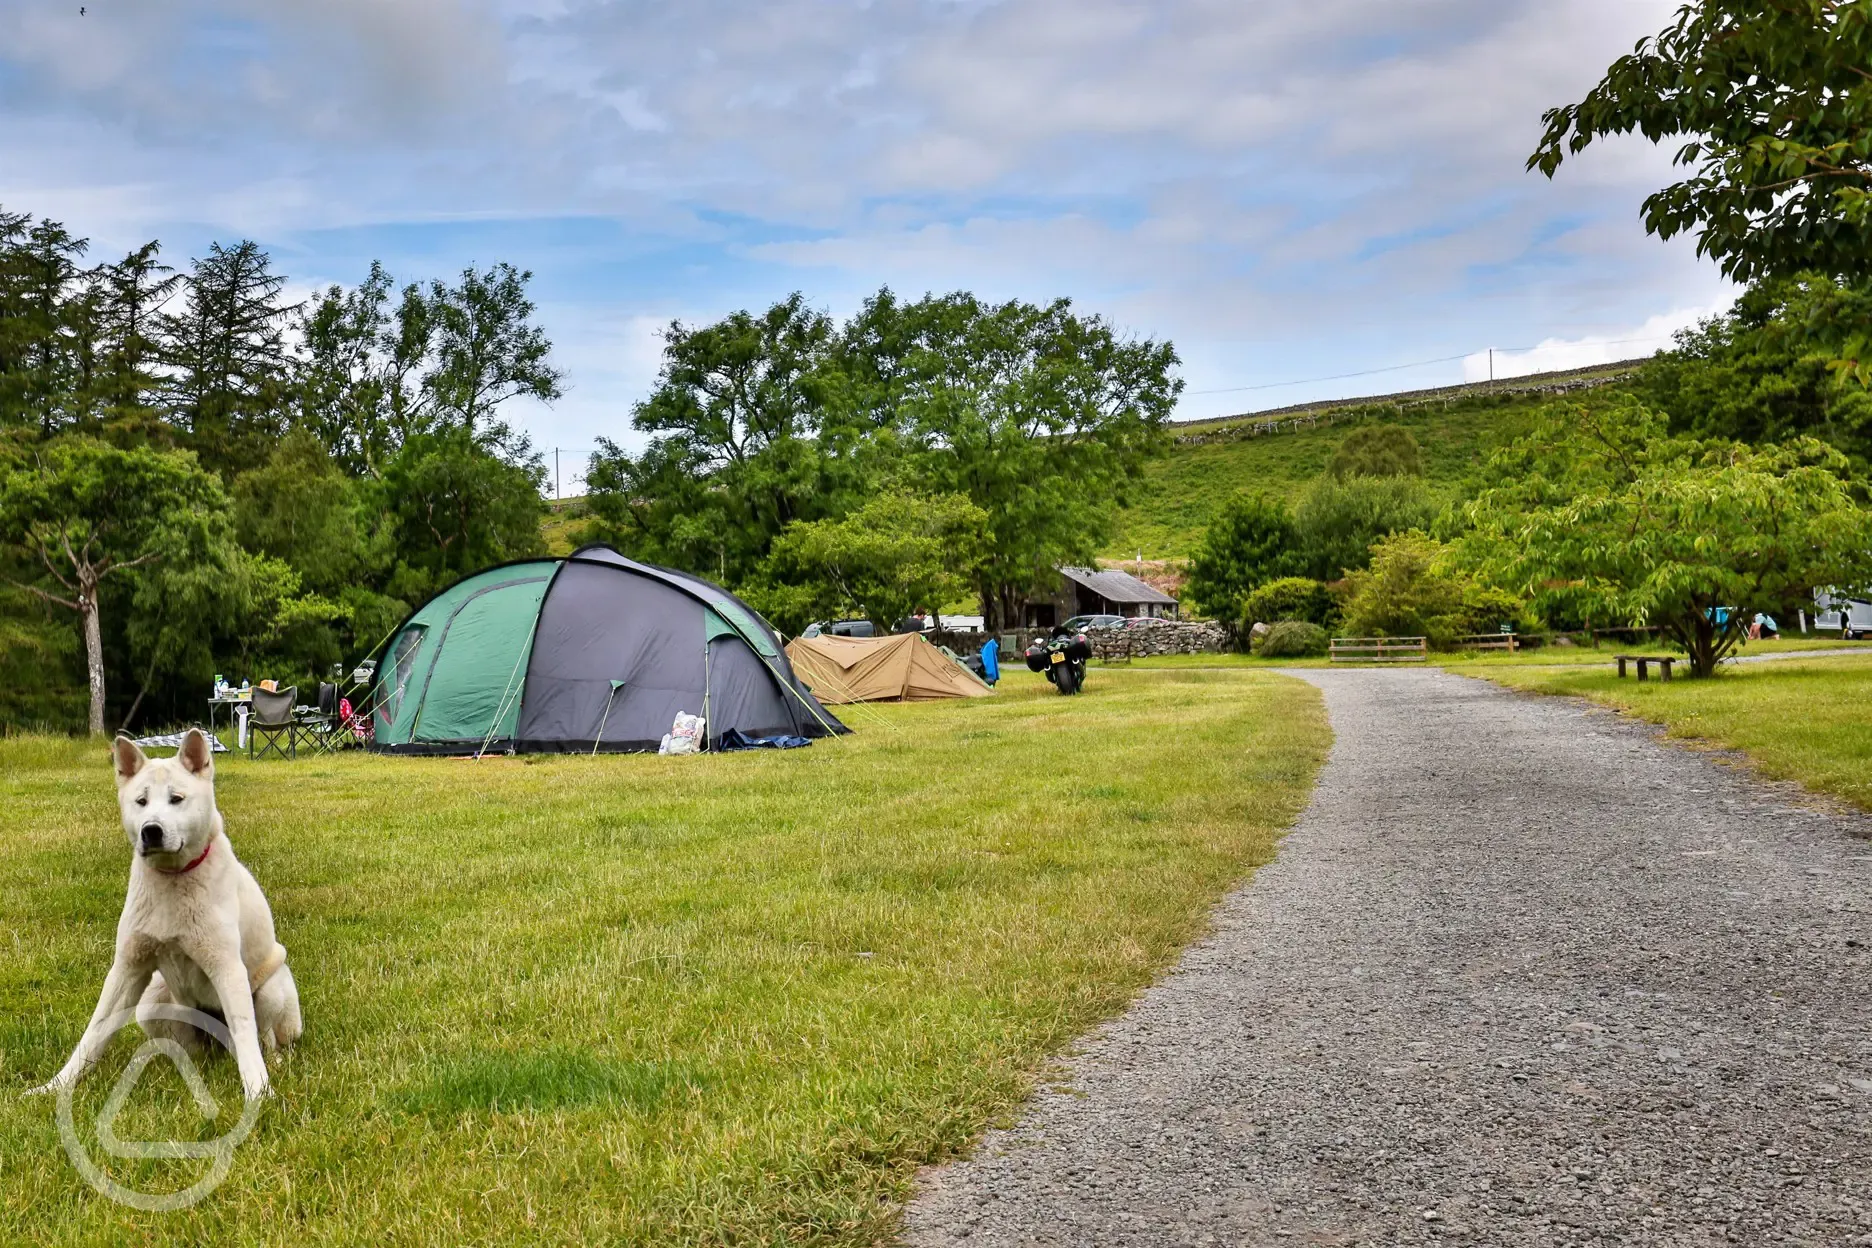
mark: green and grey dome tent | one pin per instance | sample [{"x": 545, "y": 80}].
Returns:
[{"x": 591, "y": 652}]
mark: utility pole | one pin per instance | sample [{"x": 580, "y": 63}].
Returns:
[
  {"x": 556, "y": 462},
  {"x": 1491, "y": 370}
]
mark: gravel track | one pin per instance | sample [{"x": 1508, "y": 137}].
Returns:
[{"x": 1521, "y": 975}]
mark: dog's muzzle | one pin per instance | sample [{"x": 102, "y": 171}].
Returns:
[{"x": 152, "y": 838}]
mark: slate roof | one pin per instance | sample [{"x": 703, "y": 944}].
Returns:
[{"x": 1115, "y": 586}]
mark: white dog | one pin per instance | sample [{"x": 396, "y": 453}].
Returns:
[{"x": 196, "y": 930}]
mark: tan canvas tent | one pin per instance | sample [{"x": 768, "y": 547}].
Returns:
[{"x": 903, "y": 668}]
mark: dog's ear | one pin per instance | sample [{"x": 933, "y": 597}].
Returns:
[
  {"x": 196, "y": 754},
  {"x": 129, "y": 760}
]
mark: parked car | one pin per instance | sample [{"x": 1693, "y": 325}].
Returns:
[
  {"x": 1144, "y": 621},
  {"x": 840, "y": 628},
  {"x": 945, "y": 622},
  {"x": 1086, "y": 623}
]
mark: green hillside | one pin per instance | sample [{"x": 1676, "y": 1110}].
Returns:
[
  {"x": 562, "y": 528},
  {"x": 1182, "y": 492},
  {"x": 1457, "y": 428}
]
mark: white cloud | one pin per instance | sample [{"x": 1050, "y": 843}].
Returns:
[
  {"x": 610, "y": 365},
  {"x": 1556, "y": 354},
  {"x": 1284, "y": 188}
]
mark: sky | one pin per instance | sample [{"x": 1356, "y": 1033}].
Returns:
[{"x": 1290, "y": 191}]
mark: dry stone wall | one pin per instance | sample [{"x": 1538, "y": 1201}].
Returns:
[
  {"x": 1180, "y": 637},
  {"x": 1313, "y": 415}
]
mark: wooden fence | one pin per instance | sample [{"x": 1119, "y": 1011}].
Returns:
[
  {"x": 1486, "y": 641},
  {"x": 1379, "y": 650}
]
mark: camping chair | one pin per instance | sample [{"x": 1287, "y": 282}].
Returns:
[
  {"x": 273, "y": 719},
  {"x": 318, "y": 727}
]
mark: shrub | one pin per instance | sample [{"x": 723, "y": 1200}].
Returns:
[
  {"x": 1339, "y": 520},
  {"x": 1289, "y": 598},
  {"x": 1377, "y": 451},
  {"x": 1293, "y": 639},
  {"x": 1413, "y": 589},
  {"x": 1252, "y": 542}
]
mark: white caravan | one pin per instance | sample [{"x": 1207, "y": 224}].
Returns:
[{"x": 1858, "y": 613}]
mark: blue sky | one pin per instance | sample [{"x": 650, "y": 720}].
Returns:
[{"x": 1287, "y": 189}]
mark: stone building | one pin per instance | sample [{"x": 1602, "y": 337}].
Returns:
[{"x": 1097, "y": 591}]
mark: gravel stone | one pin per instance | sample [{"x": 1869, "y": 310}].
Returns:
[{"x": 1522, "y": 974}]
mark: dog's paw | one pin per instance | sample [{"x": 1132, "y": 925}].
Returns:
[
  {"x": 48, "y": 1088},
  {"x": 258, "y": 1091}
]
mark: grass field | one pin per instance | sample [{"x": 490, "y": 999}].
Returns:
[
  {"x": 1806, "y": 720},
  {"x": 718, "y": 1000},
  {"x": 562, "y": 528}
]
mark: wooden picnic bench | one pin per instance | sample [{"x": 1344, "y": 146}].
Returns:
[
  {"x": 1643, "y": 660},
  {"x": 1379, "y": 650}
]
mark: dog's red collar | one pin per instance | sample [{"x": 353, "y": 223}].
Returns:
[{"x": 191, "y": 866}]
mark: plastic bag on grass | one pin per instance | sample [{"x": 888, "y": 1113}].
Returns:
[{"x": 687, "y": 736}]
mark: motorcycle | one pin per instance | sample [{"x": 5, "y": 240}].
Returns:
[{"x": 1062, "y": 656}]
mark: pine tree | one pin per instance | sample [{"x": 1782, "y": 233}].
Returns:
[
  {"x": 136, "y": 288},
  {"x": 227, "y": 348},
  {"x": 13, "y": 335},
  {"x": 38, "y": 271}
]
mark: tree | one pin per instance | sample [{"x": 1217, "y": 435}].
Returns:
[
  {"x": 734, "y": 456},
  {"x": 1377, "y": 451},
  {"x": 84, "y": 511},
  {"x": 370, "y": 375},
  {"x": 487, "y": 350},
  {"x": 228, "y": 348},
  {"x": 1250, "y": 544},
  {"x": 183, "y": 619},
  {"x": 899, "y": 553},
  {"x": 1415, "y": 588},
  {"x": 136, "y": 289},
  {"x": 77, "y": 347},
  {"x": 1043, "y": 418},
  {"x": 1761, "y": 372},
  {"x": 352, "y": 369},
  {"x": 1339, "y": 520},
  {"x": 454, "y": 508},
  {"x": 38, "y": 271},
  {"x": 1693, "y": 536},
  {"x": 300, "y": 508},
  {"x": 15, "y": 340},
  {"x": 38, "y": 652},
  {"x": 1775, "y": 98},
  {"x": 362, "y": 438}
]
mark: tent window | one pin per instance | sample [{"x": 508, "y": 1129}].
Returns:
[{"x": 402, "y": 665}]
